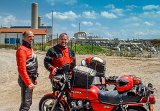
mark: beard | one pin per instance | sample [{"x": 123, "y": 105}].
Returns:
[{"x": 63, "y": 45}]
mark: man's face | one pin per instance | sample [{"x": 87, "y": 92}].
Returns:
[
  {"x": 29, "y": 37},
  {"x": 63, "y": 40}
]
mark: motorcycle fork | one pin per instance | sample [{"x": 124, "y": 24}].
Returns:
[
  {"x": 68, "y": 99},
  {"x": 56, "y": 101},
  {"x": 61, "y": 93}
]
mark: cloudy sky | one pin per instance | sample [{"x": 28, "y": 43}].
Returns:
[{"x": 123, "y": 19}]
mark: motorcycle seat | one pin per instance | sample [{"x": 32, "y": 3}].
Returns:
[{"x": 113, "y": 97}]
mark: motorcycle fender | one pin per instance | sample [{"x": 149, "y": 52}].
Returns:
[{"x": 50, "y": 94}]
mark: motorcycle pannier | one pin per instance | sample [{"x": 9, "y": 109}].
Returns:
[
  {"x": 83, "y": 77},
  {"x": 99, "y": 65}
]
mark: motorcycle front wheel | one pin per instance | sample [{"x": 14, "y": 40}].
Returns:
[{"x": 47, "y": 102}]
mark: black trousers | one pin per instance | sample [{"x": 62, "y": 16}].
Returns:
[{"x": 26, "y": 95}]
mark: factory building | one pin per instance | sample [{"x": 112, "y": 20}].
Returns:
[{"x": 13, "y": 35}]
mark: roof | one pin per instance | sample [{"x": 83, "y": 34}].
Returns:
[
  {"x": 30, "y": 27},
  {"x": 21, "y": 30}
]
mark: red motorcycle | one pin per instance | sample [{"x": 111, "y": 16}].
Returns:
[{"x": 79, "y": 94}]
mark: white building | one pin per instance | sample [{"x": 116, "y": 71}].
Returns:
[{"x": 12, "y": 36}]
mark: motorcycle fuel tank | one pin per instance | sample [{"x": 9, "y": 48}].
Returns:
[{"x": 89, "y": 94}]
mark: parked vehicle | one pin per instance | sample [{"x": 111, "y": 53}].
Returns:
[{"x": 79, "y": 94}]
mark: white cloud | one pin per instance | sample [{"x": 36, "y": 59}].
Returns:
[
  {"x": 110, "y": 6},
  {"x": 152, "y": 14},
  {"x": 70, "y": 15},
  {"x": 148, "y": 23},
  {"x": 132, "y": 19},
  {"x": 74, "y": 25},
  {"x": 7, "y": 20},
  {"x": 108, "y": 15},
  {"x": 67, "y": 2},
  {"x": 131, "y": 7},
  {"x": 52, "y": 2},
  {"x": 151, "y": 7},
  {"x": 135, "y": 24},
  {"x": 87, "y": 23},
  {"x": 140, "y": 33},
  {"x": 89, "y": 14},
  {"x": 70, "y": 2},
  {"x": 154, "y": 32},
  {"x": 98, "y": 24},
  {"x": 85, "y": 6},
  {"x": 109, "y": 34},
  {"x": 118, "y": 12}
]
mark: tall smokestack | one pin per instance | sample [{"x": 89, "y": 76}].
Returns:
[
  {"x": 34, "y": 16},
  {"x": 39, "y": 21}
]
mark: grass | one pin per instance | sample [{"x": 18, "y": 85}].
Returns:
[{"x": 84, "y": 49}]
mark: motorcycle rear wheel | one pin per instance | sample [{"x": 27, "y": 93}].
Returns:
[{"x": 47, "y": 102}]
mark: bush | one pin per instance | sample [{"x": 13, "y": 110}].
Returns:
[{"x": 87, "y": 49}]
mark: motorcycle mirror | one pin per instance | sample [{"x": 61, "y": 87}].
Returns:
[{"x": 83, "y": 62}]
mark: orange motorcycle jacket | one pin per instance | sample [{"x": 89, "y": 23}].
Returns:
[
  {"x": 27, "y": 63},
  {"x": 58, "y": 56}
]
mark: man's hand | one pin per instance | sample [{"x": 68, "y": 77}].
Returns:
[
  {"x": 53, "y": 72},
  {"x": 36, "y": 81},
  {"x": 31, "y": 86}
]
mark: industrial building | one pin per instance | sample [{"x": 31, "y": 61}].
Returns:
[{"x": 13, "y": 35}]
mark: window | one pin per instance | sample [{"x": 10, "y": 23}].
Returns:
[
  {"x": 12, "y": 40},
  {"x": 6, "y": 41},
  {"x": 17, "y": 40}
]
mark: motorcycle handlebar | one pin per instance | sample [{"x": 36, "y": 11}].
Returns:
[{"x": 65, "y": 68}]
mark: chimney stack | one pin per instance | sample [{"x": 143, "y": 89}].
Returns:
[
  {"x": 34, "y": 16},
  {"x": 39, "y": 21}
]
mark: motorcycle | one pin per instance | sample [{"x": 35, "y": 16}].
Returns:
[{"x": 88, "y": 97}]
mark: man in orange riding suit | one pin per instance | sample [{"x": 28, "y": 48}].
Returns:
[
  {"x": 27, "y": 67},
  {"x": 58, "y": 56}
]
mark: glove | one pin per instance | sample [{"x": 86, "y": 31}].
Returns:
[{"x": 53, "y": 72}]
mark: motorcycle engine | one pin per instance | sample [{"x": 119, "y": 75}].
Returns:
[{"x": 80, "y": 104}]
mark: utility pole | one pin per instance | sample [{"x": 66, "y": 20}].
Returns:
[
  {"x": 57, "y": 38},
  {"x": 79, "y": 27},
  {"x": 91, "y": 38},
  {"x": 52, "y": 28}
]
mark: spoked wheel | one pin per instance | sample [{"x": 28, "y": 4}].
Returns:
[{"x": 47, "y": 102}]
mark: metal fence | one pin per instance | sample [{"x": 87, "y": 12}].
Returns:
[{"x": 109, "y": 51}]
